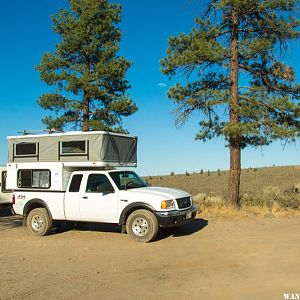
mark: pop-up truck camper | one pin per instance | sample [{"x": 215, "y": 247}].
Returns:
[{"x": 82, "y": 176}]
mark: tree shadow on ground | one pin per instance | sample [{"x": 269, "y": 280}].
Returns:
[{"x": 7, "y": 219}]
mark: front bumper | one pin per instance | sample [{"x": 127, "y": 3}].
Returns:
[{"x": 176, "y": 218}]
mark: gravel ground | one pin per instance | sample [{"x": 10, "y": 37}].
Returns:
[{"x": 249, "y": 258}]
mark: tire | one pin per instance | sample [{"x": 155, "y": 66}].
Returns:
[
  {"x": 39, "y": 222},
  {"x": 142, "y": 226}
]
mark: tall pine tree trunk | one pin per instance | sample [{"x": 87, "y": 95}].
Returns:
[
  {"x": 86, "y": 98},
  {"x": 234, "y": 142},
  {"x": 86, "y": 114}
]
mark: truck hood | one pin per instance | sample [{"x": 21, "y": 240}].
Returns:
[{"x": 162, "y": 192}]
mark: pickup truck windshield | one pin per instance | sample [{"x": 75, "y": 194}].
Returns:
[{"x": 127, "y": 180}]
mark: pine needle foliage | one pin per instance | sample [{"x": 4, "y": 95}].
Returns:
[
  {"x": 268, "y": 105},
  {"x": 85, "y": 70}
]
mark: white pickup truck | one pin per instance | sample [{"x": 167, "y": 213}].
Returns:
[{"x": 108, "y": 196}]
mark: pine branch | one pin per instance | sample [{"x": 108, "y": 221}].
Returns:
[
  {"x": 279, "y": 114},
  {"x": 211, "y": 7},
  {"x": 264, "y": 76}
]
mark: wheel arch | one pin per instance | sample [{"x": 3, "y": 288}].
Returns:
[
  {"x": 35, "y": 203},
  {"x": 132, "y": 207}
]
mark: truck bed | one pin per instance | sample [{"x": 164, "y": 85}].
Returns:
[{"x": 55, "y": 202}]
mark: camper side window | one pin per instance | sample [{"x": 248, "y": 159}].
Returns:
[
  {"x": 3, "y": 183},
  {"x": 34, "y": 179},
  {"x": 73, "y": 148},
  {"x": 26, "y": 149}
]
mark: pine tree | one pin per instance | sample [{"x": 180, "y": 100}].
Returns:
[
  {"x": 85, "y": 70},
  {"x": 236, "y": 76}
]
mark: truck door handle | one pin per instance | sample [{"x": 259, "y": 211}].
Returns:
[{"x": 85, "y": 197}]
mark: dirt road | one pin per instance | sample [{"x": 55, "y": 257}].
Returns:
[{"x": 210, "y": 259}]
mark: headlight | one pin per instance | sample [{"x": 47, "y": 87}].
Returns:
[{"x": 167, "y": 204}]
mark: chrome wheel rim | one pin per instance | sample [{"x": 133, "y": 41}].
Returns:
[
  {"x": 140, "y": 226},
  {"x": 37, "y": 223}
]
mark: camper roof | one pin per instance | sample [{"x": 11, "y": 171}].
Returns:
[{"x": 68, "y": 133}]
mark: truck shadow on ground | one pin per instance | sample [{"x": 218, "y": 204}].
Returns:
[
  {"x": 188, "y": 229},
  {"x": 7, "y": 219},
  {"x": 10, "y": 221},
  {"x": 185, "y": 230},
  {"x": 86, "y": 226}
]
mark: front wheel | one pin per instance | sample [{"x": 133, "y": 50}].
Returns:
[
  {"x": 39, "y": 222},
  {"x": 142, "y": 225}
]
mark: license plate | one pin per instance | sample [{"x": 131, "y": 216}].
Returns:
[{"x": 188, "y": 215}]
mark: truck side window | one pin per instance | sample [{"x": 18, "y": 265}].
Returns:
[
  {"x": 75, "y": 183},
  {"x": 98, "y": 183}
]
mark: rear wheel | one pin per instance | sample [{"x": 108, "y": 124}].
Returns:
[
  {"x": 39, "y": 222},
  {"x": 142, "y": 225}
]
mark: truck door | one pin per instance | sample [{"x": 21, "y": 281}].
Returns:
[
  {"x": 99, "y": 200},
  {"x": 72, "y": 198}
]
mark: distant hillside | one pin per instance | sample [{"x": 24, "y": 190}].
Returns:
[{"x": 252, "y": 180}]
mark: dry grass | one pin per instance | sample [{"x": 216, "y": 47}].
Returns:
[
  {"x": 255, "y": 179},
  {"x": 265, "y": 192},
  {"x": 206, "y": 208}
]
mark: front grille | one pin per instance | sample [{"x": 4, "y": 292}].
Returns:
[{"x": 184, "y": 202}]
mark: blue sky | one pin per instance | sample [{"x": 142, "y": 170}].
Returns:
[{"x": 146, "y": 25}]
